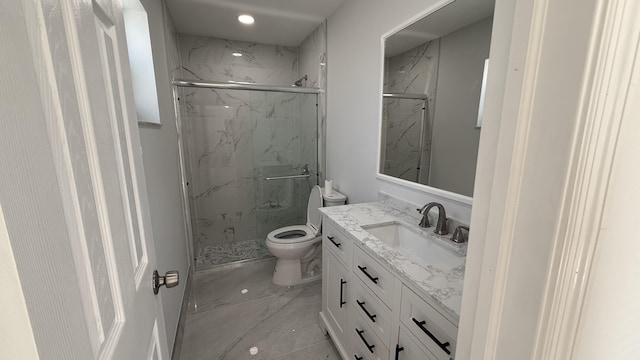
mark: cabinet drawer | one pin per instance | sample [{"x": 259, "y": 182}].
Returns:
[
  {"x": 432, "y": 329},
  {"x": 378, "y": 279},
  {"x": 408, "y": 349},
  {"x": 363, "y": 340},
  {"x": 372, "y": 310},
  {"x": 338, "y": 243}
]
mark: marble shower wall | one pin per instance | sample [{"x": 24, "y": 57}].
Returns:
[
  {"x": 236, "y": 138},
  {"x": 206, "y": 58},
  {"x": 312, "y": 61},
  {"x": 415, "y": 71}
]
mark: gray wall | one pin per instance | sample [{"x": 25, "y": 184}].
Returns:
[
  {"x": 354, "y": 85},
  {"x": 161, "y": 166},
  {"x": 455, "y": 136}
]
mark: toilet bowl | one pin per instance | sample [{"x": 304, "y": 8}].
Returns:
[{"x": 293, "y": 245}]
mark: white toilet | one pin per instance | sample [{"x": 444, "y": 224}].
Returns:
[{"x": 296, "y": 247}]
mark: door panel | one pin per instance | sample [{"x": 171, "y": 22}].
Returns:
[
  {"x": 86, "y": 91},
  {"x": 107, "y": 44},
  {"x": 337, "y": 293}
]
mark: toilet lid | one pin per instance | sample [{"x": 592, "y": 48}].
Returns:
[{"x": 314, "y": 217}]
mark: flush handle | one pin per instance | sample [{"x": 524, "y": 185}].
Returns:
[{"x": 170, "y": 279}]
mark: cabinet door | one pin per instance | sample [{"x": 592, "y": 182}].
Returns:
[
  {"x": 335, "y": 293},
  {"x": 408, "y": 349}
]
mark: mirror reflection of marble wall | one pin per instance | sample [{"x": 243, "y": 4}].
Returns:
[
  {"x": 413, "y": 71},
  {"x": 447, "y": 68}
]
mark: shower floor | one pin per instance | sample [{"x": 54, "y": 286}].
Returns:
[{"x": 232, "y": 252}]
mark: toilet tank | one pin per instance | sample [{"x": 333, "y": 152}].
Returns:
[{"x": 334, "y": 199}]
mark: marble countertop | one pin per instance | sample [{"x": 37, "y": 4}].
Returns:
[{"x": 440, "y": 281}]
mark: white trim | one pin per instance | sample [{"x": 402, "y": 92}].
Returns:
[
  {"x": 603, "y": 104},
  {"x": 17, "y": 334},
  {"x": 462, "y": 199},
  {"x": 520, "y": 143},
  {"x": 418, "y": 16}
]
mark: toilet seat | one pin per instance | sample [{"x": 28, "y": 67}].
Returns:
[
  {"x": 301, "y": 233},
  {"x": 293, "y": 245},
  {"x": 292, "y": 234}
]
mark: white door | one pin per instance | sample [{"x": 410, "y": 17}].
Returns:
[{"x": 85, "y": 86}]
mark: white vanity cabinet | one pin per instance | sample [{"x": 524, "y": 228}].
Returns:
[
  {"x": 373, "y": 314},
  {"x": 335, "y": 288},
  {"x": 336, "y": 262}
]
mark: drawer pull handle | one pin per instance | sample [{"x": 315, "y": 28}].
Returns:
[
  {"x": 355, "y": 356},
  {"x": 334, "y": 243},
  {"x": 364, "y": 270},
  {"x": 361, "y": 304},
  {"x": 342, "y": 282},
  {"x": 370, "y": 347},
  {"x": 442, "y": 346},
  {"x": 398, "y": 349}
]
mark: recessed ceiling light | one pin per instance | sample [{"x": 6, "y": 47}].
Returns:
[
  {"x": 236, "y": 54},
  {"x": 246, "y": 19}
]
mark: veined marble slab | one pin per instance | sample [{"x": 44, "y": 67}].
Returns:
[{"x": 439, "y": 281}]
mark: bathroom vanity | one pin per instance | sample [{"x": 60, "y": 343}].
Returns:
[{"x": 390, "y": 289}]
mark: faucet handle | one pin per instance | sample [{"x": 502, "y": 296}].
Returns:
[
  {"x": 458, "y": 236},
  {"x": 424, "y": 222}
]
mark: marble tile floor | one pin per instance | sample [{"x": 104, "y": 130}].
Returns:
[{"x": 225, "y": 322}]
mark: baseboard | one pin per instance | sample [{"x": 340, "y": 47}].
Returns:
[{"x": 177, "y": 343}]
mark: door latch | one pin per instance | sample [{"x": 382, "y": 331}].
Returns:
[{"x": 170, "y": 279}]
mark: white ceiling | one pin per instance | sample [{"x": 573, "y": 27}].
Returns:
[
  {"x": 278, "y": 22},
  {"x": 444, "y": 21}
]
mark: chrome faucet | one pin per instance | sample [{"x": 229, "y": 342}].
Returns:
[
  {"x": 458, "y": 236},
  {"x": 441, "y": 226}
]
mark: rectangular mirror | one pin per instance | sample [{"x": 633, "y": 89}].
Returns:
[{"x": 431, "y": 101}]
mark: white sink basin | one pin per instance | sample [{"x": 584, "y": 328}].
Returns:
[{"x": 411, "y": 242}]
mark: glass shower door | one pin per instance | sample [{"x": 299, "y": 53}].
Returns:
[
  {"x": 285, "y": 149},
  {"x": 240, "y": 145}
]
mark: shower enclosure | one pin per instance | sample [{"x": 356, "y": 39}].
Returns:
[{"x": 251, "y": 158}]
